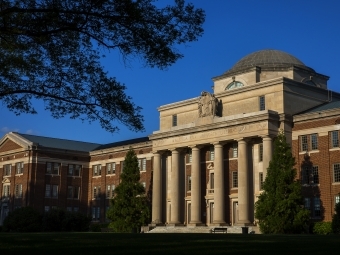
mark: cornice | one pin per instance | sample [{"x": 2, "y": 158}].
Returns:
[{"x": 222, "y": 122}]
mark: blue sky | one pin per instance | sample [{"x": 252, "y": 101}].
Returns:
[{"x": 309, "y": 30}]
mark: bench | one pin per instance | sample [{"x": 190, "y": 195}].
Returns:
[{"x": 217, "y": 230}]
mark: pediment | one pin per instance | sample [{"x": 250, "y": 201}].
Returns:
[
  {"x": 6, "y": 180},
  {"x": 9, "y": 145}
]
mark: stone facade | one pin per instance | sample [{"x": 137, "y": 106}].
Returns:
[{"x": 207, "y": 162}]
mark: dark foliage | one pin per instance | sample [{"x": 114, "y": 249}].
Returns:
[
  {"x": 130, "y": 206},
  {"x": 50, "y": 50},
  {"x": 25, "y": 219},
  {"x": 61, "y": 220},
  {"x": 336, "y": 220},
  {"x": 279, "y": 209}
]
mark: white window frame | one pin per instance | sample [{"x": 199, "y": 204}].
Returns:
[
  {"x": 53, "y": 168},
  {"x": 335, "y": 138},
  {"x": 110, "y": 190},
  {"x": 19, "y": 167},
  {"x": 336, "y": 172},
  {"x": 234, "y": 179},
  {"x": 97, "y": 170},
  {"x": 235, "y": 150},
  {"x": 211, "y": 153},
  {"x": 7, "y": 169},
  {"x": 18, "y": 190},
  {"x": 6, "y": 190}
]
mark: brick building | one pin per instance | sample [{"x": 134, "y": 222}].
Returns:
[{"x": 207, "y": 162}]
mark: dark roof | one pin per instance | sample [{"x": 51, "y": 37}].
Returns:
[
  {"x": 324, "y": 107},
  {"x": 60, "y": 143},
  {"x": 270, "y": 59},
  {"x": 122, "y": 143}
]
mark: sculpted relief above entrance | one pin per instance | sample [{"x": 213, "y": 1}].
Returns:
[{"x": 207, "y": 105}]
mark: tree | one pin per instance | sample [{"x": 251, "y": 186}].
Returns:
[
  {"x": 130, "y": 207},
  {"x": 336, "y": 219},
  {"x": 50, "y": 50},
  {"x": 279, "y": 209}
]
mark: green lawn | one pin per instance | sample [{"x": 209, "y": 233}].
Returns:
[{"x": 111, "y": 243}]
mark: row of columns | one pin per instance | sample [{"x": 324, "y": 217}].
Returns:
[{"x": 219, "y": 191}]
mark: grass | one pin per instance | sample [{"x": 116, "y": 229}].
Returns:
[{"x": 195, "y": 244}]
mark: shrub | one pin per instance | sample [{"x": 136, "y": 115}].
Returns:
[
  {"x": 25, "y": 219},
  {"x": 61, "y": 220},
  {"x": 322, "y": 228},
  {"x": 96, "y": 227}
]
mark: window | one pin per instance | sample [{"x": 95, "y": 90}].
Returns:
[
  {"x": 211, "y": 153},
  {"x": 73, "y": 192},
  {"x": 111, "y": 168},
  {"x": 212, "y": 181},
  {"x": 335, "y": 138},
  {"x": 96, "y": 192},
  {"x": 315, "y": 174},
  {"x": 95, "y": 213},
  {"x": 234, "y": 180},
  {"x": 51, "y": 191},
  {"x": 144, "y": 184},
  {"x": 18, "y": 190},
  {"x": 75, "y": 209},
  {"x": 262, "y": 103},
  {"x": 235, "y": 150},
  {"x": 337, "y": 199},
  {"x": 336, "y": 170},
  {"x": 69, "y": 209},
  {"x": 7, "y": 170},
  {"x": 97, "y": 170},
  {"x": 314, "y": 141},
  {"x": 74, "y": 170},
  {"x": 309, "y": 142},
  {"x": 189, "y": 183},
  {"x": 261, "y": 181},
  {"x": 261, "y": 152},
  {"x": 19, "y": 168},
  {"x": 5, "y": 190},
  {"x": 189, "y": 156},
  {"x": 174, "y": 120},
  {"x": 121, "y": 166},
  {"x": 310, "y": 175},
  {"x": 307, "y": 203},
  {"x": 234, "y": 85},
  {"x": 46, "y": 208},
  {"x": 142, "y": 164},
  {"x": 52, "y": 168},
  {"x": 317, "y": 207},
  {"x": 110, "y": 190},
  {"x": 304, "y": 143}
]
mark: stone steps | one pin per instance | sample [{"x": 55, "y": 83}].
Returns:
[{"x": 204, "y": 229}]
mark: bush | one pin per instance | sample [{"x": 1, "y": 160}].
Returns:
[
  {"x": 96, "y": 227},
  {"x": 322, "y": 228},
  {"x": 25, "y": 219},
  {"x": 60, "y": 220}
]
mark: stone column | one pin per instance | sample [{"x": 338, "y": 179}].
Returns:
[
  {"x": 195, "y": 187},
  {"x": 175, "y": 188},
  {"x": 157, "y": 189},
  {"x": 218, "y": 185},
  {"x": 243, "y": 185},
  {"x": 267, "y": 153}
]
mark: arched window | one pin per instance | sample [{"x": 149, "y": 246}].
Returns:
[{"x": 234, "y": 85}]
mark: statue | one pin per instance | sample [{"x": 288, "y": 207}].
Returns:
[{"x": 207, "y": 104}]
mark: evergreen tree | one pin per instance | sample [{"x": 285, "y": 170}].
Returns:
[
  {"x": 336, "y": 220},
  {"x": 279, "y": 208},
  {"x": 129, "y": 208}
]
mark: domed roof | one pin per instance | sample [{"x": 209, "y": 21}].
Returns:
[{"x": 267, "y": 59}]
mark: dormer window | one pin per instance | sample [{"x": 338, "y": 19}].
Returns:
[{"x": 234, "y": 85}]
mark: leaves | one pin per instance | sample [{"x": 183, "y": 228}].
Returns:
[
  {"x": 129, "y": 208},
  {"x": 50, "y": 50},
  {"x": 279, "y": 208}
]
